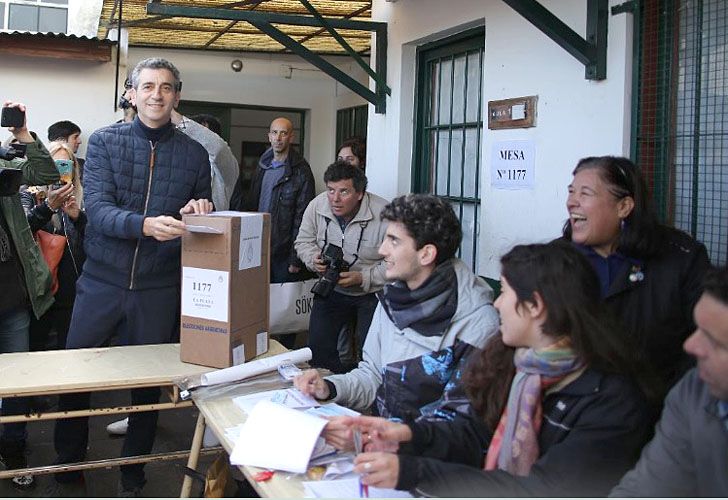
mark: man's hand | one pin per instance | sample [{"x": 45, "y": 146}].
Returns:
[
  {"x": 57, "y": 197},
  {"x": 163, "y": 228},
  {"x": 349, "y": 278},
  {"x": 293, "y": 269},
  {"x": 378, "y": 469},
  {"x": 20, "y": 133},
  {"x": 311, "y": 384},
  {"x": 318, "y": 265},
  {"x": 200, "y": 207}
]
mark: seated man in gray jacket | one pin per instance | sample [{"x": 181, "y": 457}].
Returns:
[
  {"x": 688, "y": 457},
  {"x": 433, "y": 313}
]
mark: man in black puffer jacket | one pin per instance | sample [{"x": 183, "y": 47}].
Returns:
[{"x": 139, "y": 178}]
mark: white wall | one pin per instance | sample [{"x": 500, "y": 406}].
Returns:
[
  {"x": 576, "y": 117},
  {"x": 207, "y": 76},
  {"x": 55, "y": 89}
]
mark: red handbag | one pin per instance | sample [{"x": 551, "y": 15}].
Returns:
[{"x": 52, "y": 247}]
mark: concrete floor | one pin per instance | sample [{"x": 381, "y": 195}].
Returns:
[{"x": 164, "y": 478}]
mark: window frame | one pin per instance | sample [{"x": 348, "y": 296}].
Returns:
[{"x": 423, "y": 180}]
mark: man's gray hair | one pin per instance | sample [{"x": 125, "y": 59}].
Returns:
[{"x": 155, "y": 63}]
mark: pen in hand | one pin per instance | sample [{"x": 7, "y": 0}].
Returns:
[{"x": 363, "y": 488}]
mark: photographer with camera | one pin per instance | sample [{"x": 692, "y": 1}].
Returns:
[
  {"x": 25, "y": 281},
  {"x": 338, "y": 238}
]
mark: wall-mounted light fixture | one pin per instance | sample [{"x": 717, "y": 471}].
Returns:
[{"x": 236, "y": 65}]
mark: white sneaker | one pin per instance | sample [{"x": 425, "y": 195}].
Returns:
[{"x": 118, "y": 428}]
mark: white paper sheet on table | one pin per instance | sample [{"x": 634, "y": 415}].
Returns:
[
  {"x": 253, "y": 368},
  {"x": 347, "y": 488},
  {"x": 332, "y": 410},
  {"x": 290, "y": 398},
  {"x": 233, "y": 433},
  {"x": 276, "y": 437}
]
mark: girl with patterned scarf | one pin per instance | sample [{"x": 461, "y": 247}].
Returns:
[{"x": 555, "y": 410}]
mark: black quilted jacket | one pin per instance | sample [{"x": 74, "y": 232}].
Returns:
[
  {"x": 126, "y": 179},
  {"x": 290, "y": 197}
]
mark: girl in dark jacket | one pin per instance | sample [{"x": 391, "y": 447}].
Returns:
[
  {"x": 58, "y": 211},
  {"x": 555, "y": 411}
]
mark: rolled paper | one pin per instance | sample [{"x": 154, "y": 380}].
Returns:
[{"x": 256, "y": 367}]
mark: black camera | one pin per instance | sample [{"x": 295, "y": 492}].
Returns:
[
  {"x": 12, "y": 117},
  {"x": 14, "y": 150},
  {"x": 333, "y": 257},
  {"x": 11, "y": 178}
]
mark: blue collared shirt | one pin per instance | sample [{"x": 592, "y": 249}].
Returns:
[{"x": 607, "y": 268}]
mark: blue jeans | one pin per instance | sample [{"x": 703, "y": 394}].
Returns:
[{"x": 14, "y": 335}]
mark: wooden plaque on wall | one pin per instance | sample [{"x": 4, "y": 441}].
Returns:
[{"x": 519, "y": 112}]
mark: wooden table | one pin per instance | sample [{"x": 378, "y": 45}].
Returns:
[
  {"x": 92, "y": 370},
  {"x": 218, "y": 412}
]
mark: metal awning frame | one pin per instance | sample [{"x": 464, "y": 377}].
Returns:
[
  {"x": 264, "y": 21},
  {"x": 592, "y": 51}
]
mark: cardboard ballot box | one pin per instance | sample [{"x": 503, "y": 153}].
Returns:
[{"x": 225, "y": 292}]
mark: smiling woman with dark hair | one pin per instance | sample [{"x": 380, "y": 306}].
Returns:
[{"x": 650, "y": 275}]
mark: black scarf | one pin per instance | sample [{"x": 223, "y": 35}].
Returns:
[{"x": 427, "y": 309}]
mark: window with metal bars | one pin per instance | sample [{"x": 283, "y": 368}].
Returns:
[
  {"x": 681, "y": 139},
  {"x": 448, "y": 130}
]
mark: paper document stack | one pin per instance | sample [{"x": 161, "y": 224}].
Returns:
[{"x": 277, "y": 437}]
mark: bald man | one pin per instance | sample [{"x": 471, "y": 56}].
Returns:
[{"x": 283, "y": 186}]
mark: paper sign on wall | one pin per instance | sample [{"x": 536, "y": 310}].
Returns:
[
  {"x": 205, "y": 293},
  {"x": 251, "y": 237},
  {"x": 513, "y": 165}
]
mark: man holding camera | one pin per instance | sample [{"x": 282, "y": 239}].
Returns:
[
  {"x": 338, "y": 238},
  {"x": 25, "y": 281}
]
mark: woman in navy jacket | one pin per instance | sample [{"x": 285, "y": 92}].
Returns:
[{"x": 555, "y": 411}]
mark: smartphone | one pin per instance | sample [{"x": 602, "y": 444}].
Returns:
[
  {"x": 65, "y": 168},
  {"x": 12, "y": 117}
]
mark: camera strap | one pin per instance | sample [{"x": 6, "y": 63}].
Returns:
[{"x": 362, "y": 226}]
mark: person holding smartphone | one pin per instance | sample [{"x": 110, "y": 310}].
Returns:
[
  {"x": 58, "y": 209},
  {"x": 25, "y": 282}
]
